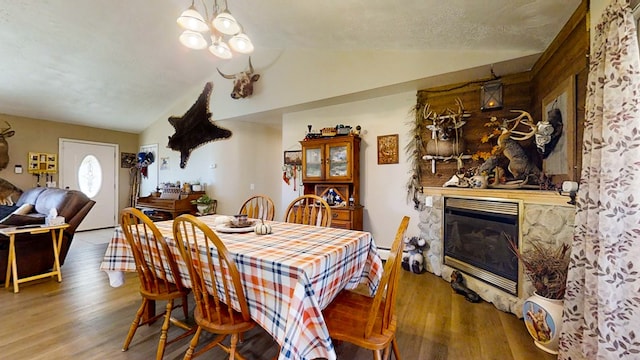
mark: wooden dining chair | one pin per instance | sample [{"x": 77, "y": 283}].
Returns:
[
  {"x": 258, "y": 207},
  {"x": 207, "y": 257},
  {"x": 309, "y": 210},
  {"x": 370, "y": 322},
  {"x": 158, "y": 275}
]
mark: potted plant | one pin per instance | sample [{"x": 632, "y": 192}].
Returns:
[
  {"x": 546, "y": 266},
  {"x": 204, "y": 204}
]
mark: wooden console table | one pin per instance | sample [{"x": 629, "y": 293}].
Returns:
[
  {"x": 12, "y": 266},
  {"x": 174, "y": 207}
]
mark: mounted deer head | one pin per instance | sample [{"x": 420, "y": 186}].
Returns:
[
  {"x": 4, "y": 146},
  {"x": 242, "y": 82}
]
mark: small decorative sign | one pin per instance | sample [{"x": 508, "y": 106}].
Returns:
[{"x": 388, "y": 149}]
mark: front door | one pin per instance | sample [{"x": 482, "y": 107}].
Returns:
[{"x": 91, "y": 168}]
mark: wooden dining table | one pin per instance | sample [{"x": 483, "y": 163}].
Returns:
[{"x": 289, "y": 276}]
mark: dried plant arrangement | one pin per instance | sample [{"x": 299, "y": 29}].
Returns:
[
  {"x": 415, "y": 150},
  {"x": 546, "y": 266}
]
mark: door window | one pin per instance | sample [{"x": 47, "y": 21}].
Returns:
[{"x": 90, "y": 176}]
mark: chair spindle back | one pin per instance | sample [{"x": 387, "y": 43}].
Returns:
[
  {"x": 214, "y": 275},
  {"x": 155, "y": 264},
  {"x": 309, "y": 210}
]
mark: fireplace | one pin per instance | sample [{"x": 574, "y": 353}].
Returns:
[{"x": 476, "y": 233}]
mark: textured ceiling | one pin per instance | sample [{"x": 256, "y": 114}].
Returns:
[{"x": 105, "y": 62}]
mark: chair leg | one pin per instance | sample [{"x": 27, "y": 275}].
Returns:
[
  {"x": 185, "y": 306},
  {"x": 232, "y": 347},
  {"x": 192, "y": 344},
  {"x": 134, "y": 325},
  {"x": 376, "y": 355},
  {"x": 386, "y": 353},
  {"x": 164, "y": 330},
  {"x": 396, "y": 350}
]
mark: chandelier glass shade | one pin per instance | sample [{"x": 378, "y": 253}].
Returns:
[
  {"x": 220, "y": 49},
  {"x": 226, "y": 23},
  {"x": 191, "y": 19},
  {"x": 222, "y": 27},
  {"x": 193, "y": 40}
]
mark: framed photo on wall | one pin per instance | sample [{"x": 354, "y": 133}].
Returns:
[
  {"x": 293, "y": 157},
  {"x": 559, "y": 107},
  {"x": 127, "y": 160},
  {"x": 388, "y": 149}
]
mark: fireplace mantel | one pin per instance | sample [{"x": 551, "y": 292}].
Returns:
[{"x": 540, "y": 197}]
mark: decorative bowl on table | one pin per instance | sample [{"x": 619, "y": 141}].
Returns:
[{"x": 240, "y": 221}]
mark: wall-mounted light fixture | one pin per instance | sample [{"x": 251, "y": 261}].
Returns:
[
  {"x": 491, "y": 95},
  {"x": 570, "y": 187}
]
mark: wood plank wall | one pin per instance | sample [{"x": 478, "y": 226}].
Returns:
[{"x": 566, "y": 56}]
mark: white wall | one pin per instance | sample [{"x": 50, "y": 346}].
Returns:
[
  {"x": 227, "y": 167},
  {"x": 383, "y": 189}
]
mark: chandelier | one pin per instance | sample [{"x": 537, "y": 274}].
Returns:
[{"x": 221, "y": 28}]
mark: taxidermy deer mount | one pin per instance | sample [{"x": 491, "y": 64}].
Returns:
[
  {"x": 4, "y": 146},
  {"x": 520, "y": 164},
  {"x": 195, "y": 128}
]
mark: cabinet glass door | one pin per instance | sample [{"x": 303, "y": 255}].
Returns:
[
  {"x": 313, "y": 162},
  {"x": 338, "y": 161}
]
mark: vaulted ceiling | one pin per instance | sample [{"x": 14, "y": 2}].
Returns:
[{"x": 105, "y": 62}]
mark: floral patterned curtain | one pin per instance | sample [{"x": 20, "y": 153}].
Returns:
[{"x": 601, "y": 317}]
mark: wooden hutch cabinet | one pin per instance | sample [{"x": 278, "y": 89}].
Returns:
[{"x": 333, "y": 163}]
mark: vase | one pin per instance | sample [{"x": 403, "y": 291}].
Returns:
[
  {"x": 543, "y": 318},
  {"x": 203, "y": 208}
]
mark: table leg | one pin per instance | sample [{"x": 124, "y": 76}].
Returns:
[
  {"x": 14, "y": 263},
  {"x": 9, "y": 262},
  {"x": 56, "y": 251}
]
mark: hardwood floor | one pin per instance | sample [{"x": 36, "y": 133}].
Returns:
[{"x": 84, "y": 318}]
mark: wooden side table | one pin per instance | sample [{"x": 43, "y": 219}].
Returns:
[{"x": 12, "y": 267}]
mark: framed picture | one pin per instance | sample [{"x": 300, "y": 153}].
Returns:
[
  {"x": 127, "y": 160},
  {"x": 293, "y": 157},
  {"x": 558, "y": 107},
  {"x": 388, "y": 149},
  {"x": 164, "y": 163}
]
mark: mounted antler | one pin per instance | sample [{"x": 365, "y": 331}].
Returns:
[
  {"x": 5, "y": 132},
  {"x": 4, "y": 146},
  {"x": 520, "y": 119},
  {"x": 520, "y": 165}
]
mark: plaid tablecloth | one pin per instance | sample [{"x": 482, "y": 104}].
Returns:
[{"x": 289, "y": 276}]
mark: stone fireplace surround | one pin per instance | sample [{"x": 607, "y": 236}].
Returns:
[{"x": 547, "y": 216}]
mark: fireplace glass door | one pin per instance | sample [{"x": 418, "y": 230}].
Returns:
[{"x": 476, "y": 240}]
